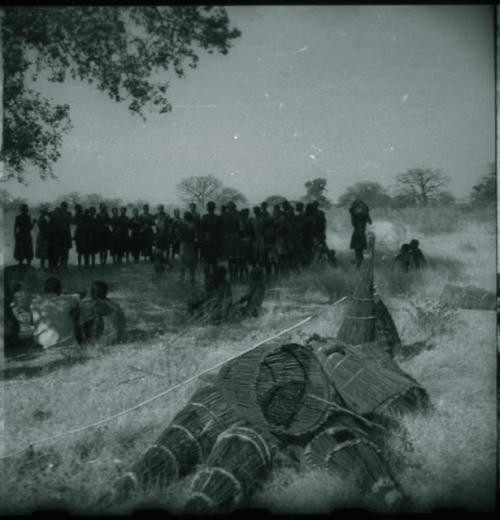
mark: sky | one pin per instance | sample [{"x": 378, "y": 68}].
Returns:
[{"x": 349, "y": 93}]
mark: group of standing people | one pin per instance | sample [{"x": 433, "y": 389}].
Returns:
[{"x": 278, "y": 241}]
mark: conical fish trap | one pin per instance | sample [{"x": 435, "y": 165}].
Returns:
[
  {"x": 386, "y": 332},
  {"x": 240, "y": 460},
  {"x": 276, "y": 387},
  {"x": 358, "y": 325},
  {"x": 366, "y": 386},
  {"x": 184, "y": 444},
  {"x": 346, "y": 450}
]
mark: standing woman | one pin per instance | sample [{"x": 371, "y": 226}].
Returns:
[
  {"x": 188, "y": 250},
  {"x": 360, "y": 216},
  {"x": 90, "y": 246},
  {"x": 78, "y": 236},
  {"x": 103, "y": 233},
  {"x": 174, "y": 232},
  {"x": 114, "y": 235},
  {"x": 42, "y": 240},
  {"x": 247, "y": 238},
  {"x": 135, "y": 226},
  {"x": 123, "y": 238},
  {"x": 231, "y": 237},
  {"x": 22, "y": 232},
  {"x": 147, "y": 231},
  {"x": 64, "y": 219}
]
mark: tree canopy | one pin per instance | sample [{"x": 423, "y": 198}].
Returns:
[
  {"x": 373, "y": 193},
  {"x": 315, "y": 191},
  {"x": 203, "y": 189},
  {"x": 421, "y": 185},
  {"x": 484, "y": 193},
  {"x": 118, "y": 49},
  {"x": 227, "y": 195}
]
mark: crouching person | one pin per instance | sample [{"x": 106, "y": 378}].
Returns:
[
  {"x": 55, "y": 316},
  {"x": 101, "y": 319}
]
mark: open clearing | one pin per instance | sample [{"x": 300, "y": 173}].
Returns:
[{"x": 454, "y": 446}]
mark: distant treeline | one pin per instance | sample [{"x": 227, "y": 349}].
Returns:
[{"x": 417, "y": 187}]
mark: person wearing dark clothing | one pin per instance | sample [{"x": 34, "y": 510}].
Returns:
[
  {"x": 78, "y": 236},
  {"x": 64, "y": 219},
  {"x": 309, "y": 228},
  {"x": 102, "y": 234},
  {"x": 42, "y": 240},
  {"x": 259, "y": 245},
  {"x": 122, "y": 237},
  {"x": 187, "y": 247},
  {"x": 247, "y": 238},
  {"x": 279, "y": 254},
  {"x": 254, "y": 295},
  {"x": 268, "y": 227},
  {"x": 230, "y": 230},
  {"x": 53, "y": 240},
  {"x": 210, "y": 227},
  {"x": 161, "y": 241},
  {"x": 23, "y": 225},
  {"x": 320, "y": 227},
  {"x": 114, "y": 235},
  {"x": 418, "y": 260},
  {"x": 89, "y": 239},
  {"x": 360, "y": 216},
  {"x": 292, "y": 260},
  {"x": 174, "y": 236},
  {"x": 197, "y": 223},
  {"x": 101, "y": 319},
  {"x": 147, "y": 232},
  {"x": 403, "y": 259},
  {"x": 136, "y": 236}
]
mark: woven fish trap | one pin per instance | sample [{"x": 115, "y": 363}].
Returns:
[
  {"x": 240, "y": 461},
  {"x": 184, "y": 444},
  {"x": 346, "y": 451},
  {"x": 386, "y": 332},
  {"x": 366, "y": 386},
  {"x": 473, "y": 298},
  {"x": 358, "y": 324},
  {"x": 275, "y": 388}
]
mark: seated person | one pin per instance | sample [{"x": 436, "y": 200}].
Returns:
[
  {"x": 101, "y": 318},
  {"x": 418, "y": 260},
  {"x": 255, "y": 294},
  {"x": 11, "y": 323},
  {"x": 55, "y": 316},
  {"x": 404, "y": 257}
]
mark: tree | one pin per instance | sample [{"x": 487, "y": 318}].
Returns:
[
  {"x": 226, "y": 195},
  {"x": 119, "y": 49},
  {"x": 272, "y": 200},
  {"x": 316, "y": 191},
  {"x": 420, "y": 185},
  {"x": 9, "y": 202},
  {"x": 199, "y": 189},
  {"x": 484, "y": 193},
  {"x": 373, "y": 193}
]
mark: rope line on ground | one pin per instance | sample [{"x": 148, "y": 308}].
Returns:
[{"x": 168, "y": 390}]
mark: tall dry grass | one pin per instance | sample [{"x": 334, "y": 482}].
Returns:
[{"x": 454, "y": 445}]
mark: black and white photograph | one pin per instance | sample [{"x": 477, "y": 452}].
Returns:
[{"x": 249, "y": 258}]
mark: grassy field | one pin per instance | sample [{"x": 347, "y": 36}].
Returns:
[{"x": 454, "y": 457}]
